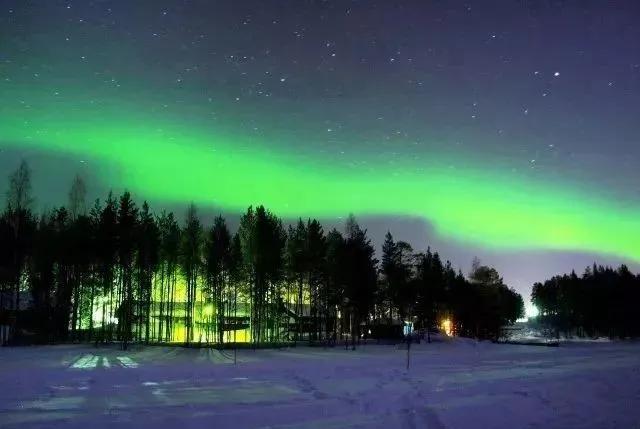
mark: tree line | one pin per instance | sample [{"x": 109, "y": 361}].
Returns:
[
  {"x": 115, "y": 271},
  {"x": 603, "y": 301}
]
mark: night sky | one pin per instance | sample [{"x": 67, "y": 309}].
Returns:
[{"x": 503, "y": 129}]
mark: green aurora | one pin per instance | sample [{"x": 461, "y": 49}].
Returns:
[{"x": 165, "y": 158}]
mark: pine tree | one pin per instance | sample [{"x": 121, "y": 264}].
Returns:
[
  {"x": 190, "y": 261},
  {"x": 22, "y": 226},
  {"x": 105, "y": 223},
  {"x": 360, "y": 276},
  {"x": 335, "y": 282},
  {"x": 126, "y": 230},
  {"x": 316, "y": 275},
  {"x": 263, "y": 241},
  {"x": 42, "y": 276},
  {"x": 170, "y": 240},
  {"x": 389, "y": 271},
  {"x": 237, "y": 278},
  {"x": 217, "y": 268},
  {"x": 297, "y": 269},
  {"x": 147, "y": 261}
]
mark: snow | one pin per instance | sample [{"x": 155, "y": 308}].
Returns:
[
  {"x": 450, "y": 384},
  {"x": 532, "y": 335}
]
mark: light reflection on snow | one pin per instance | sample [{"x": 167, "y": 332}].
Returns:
[
  {"x": 86, "y": 362},
  {"x": 90, "y": 361},
  {"x": 127, "y": 362}
]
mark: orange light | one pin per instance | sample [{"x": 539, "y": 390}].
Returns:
[{"x": 447, "y": 326}]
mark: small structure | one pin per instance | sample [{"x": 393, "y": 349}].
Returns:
[{"x": 407, "y": 328}]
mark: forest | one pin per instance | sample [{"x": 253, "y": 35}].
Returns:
[
  {"x": 601, "y": 302},
  {"x": 113, "y": 270}
]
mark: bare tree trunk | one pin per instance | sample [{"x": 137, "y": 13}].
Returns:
[
  {"x": 162, "y": 298},
  {"x": 91, "y": 297},
  {"x": 149, "y": 292},
  {"x": 299, "y": 310}
]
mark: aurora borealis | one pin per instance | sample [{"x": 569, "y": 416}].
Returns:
[
  {"x": 472, "y": 119},
  {"x": 467, "y": 205}
]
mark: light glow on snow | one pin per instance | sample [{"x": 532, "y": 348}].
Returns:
[
  {"x": 86, "y": 362},
  {"x": 127, "y": 362}
]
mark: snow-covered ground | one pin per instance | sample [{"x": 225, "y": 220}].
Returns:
[{"x": 455, "y": 384}]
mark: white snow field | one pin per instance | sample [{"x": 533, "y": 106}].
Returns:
[{"x": 455, "y": 384}]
